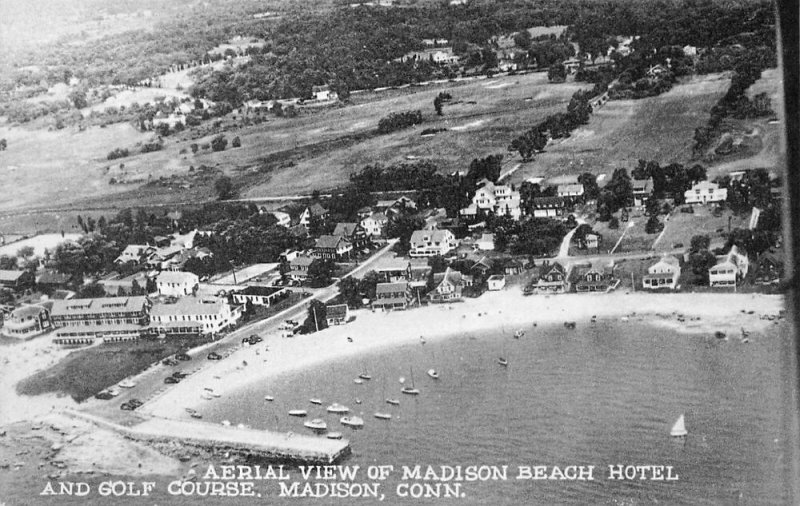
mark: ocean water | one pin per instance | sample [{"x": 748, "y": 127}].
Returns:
[{"x": 602, "y": 394}]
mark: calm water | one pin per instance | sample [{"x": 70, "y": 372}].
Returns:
[{"x": 598, "y": 395}]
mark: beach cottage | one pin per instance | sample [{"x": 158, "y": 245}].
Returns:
[
  {"x": 392, "y": 295},
  {"x": 663, "y": 274},
  {"x": 729, "y": 270},
  {"x": 336, "y": 314},
  {"x": 705, "y": 192},
  {"x": 448, "y": 286},
  {"x": 496, "y": 282},
  {"x": 428, "y": 243},
  {"x": 552, "y": 278},
  {"x": 177, "y": 284}
]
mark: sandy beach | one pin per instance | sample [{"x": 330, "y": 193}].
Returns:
[{"x": 376, "y": 331}]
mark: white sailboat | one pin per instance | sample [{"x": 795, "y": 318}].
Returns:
[
  {"x": 338, "y": 408},
  {"x": 410, "y": 390},
  {"x": 679, "y": 429}
]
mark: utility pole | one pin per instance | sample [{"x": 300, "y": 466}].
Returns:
[
  {"x": 316, "y": 324},
  {"x": 233, "y": 269},
  {"x": 633, "y": 283}
]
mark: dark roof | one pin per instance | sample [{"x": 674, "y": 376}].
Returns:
[
  {"x": 336, "y": 311},
  {"x": 301, "y": 260},
  {"x": 548, "y": 202},
  {"x": 263, "y": 291},
  {"x": 345, "y": 229},
  {"x": 642, "y": 185},
  {"x": 317, "y": 210},
  {"x": 329, "y": 241}
]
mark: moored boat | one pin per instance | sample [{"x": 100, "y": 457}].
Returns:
[
  {"x": 383, "y": 416},
  {"x": 433, "y": 374},
  {"x": 502, "y": 362},
  {"x": 316, "y": 401},
  {"x": 269, "y": 398},
  {"x": 127, "y": 383},
  {"x": 338, "y": 408},
  {"x": 393, "y": 402},
  {"x": 316, "y": 424},
  {"x": 352, "y": 421},
  {"x": 298, "y": 412},
  {"x": 334, "y": 435},
  {"x": 196, "y": 415}
]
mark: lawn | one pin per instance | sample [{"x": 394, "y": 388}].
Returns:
[
  {"x": 86, "y": 371},
  {"x": 681, "y": 227}
]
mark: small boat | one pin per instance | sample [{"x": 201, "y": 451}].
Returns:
[
  {"x": 519, "y": 333},
  {"x": 206, "y": 396},
  {"x": 679, "y": 429},
  {"x": 298, "y": 412},
  {"x": 410, "y": 390},
  {"x": 269, "y": 398},
  {"x": 502, "y": 362},
  {"x": 358, "y": 401},
  {"x": 318, "y": 402},
  {"x": 196, "y": 415},
  {"x": 358, "y": 381},
  {"x": 365, "y": 375},
  {"x": 215, "y": 394},
  {"x": 383, "y": 416},
  {"x": 719, "y": 334},
  {"x": 433, "y": 374},
  {"x": 334, "y": 435},
  {"x": 316, "y": 424},
  {"x": 190, "y": 410},
  {"x": 393, "y": 402},
  {"x": 113, "y": 392},
  {"x": 421, "y": 340},
  {"x": 569, "y": 325},
  {"x": 338, "y": 408},
  {"x": 127, "y": 383},
  {"x": 352, "y": 421},
  {"x": 226, "y": 423}
]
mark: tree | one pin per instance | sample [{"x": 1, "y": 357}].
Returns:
[
  {"x": 402, "y": 228},
  {"x": 653, "y": 226},
  {"x": 437, "y": 105},
  {"x": 316, "y": 317},
  {"x": 699, "y": 263},
  {"x": 557, "y": 73},
  {"x": 224, "y": 188},
  {"x": 236, "y": 142},
  {"x": 91, "y": 291},
  {"x": 699, "y": 243},
  {"x": 8, "y": 263},
  {"x": 590, "y": 188},
  {"x": 3, "y": 144},
  {"x": 613, "y": 223},
  {"x": 320, "y": 272},
  {"x": 78, "y": 99},
  {"x": 194, "y": 147},
  {"x": 219, "y": 143}
]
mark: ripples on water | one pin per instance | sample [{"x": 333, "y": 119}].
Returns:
[{"x": 598, "y": 395}]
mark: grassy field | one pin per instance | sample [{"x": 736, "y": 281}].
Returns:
[
  {"x": 85, "y": 372},
  {"x": 624, "y": 131}
]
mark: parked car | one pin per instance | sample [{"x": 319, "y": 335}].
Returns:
[
  {"x": 171, "y": 380},
  {"x": 253, "y": 339},
  {"x": 179, "y": 374},
  {"x": 104, "y": 395},
  {"x": 183, "y": 356},
  {"x": 170, "y": 361},
  {"x": 214, "y": 356},
  {"x": 131, "y": 405}
]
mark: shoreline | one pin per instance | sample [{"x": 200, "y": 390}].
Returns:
[{"x": 373, "y": 332}]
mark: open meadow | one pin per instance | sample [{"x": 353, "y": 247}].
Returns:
[{"x": 621, "y": 132}]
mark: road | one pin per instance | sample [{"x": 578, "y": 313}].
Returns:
[{"x": 150, "y": 383}]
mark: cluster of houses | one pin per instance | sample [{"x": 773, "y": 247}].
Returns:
[{"x": 320, "y": 95}]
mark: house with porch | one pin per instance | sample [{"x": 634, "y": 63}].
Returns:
[
  {"x": 705, "y": 192},
  {"x": 210, "y": 316},
  {"x": 448, "y": 286},
  {"x": 334, "y": 247},
  {"x": 135, "y": 254},
  {"x": 663, "y": 274},
  {"x": 501, "y": 200},
  {"x": 395, "y": 295},
  {"x": 354, "y": 233},
  {"x": 432, "y": 242},
  {"x": 28, "y": 321},
  {"x": 552, "y": 279},
  {"x": 642, "y": 190},
  {"x": 730, "y": 269},
  {"x": 591, "y": 277},
  {"x": 570, "y": 191},
  {"x": 259, "y": 295},
  {"x": 298, "y": 268},
  {"x": 375, "y": 224},
  {"x": 549, "y": 207},
  {"x": 15, "y": 279},
  {"x": 336, "y": 314}
]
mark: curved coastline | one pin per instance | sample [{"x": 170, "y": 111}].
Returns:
[{"x": 377, "y": 331}]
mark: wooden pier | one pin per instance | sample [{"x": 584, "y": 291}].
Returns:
[{"x": 269, "y": 445}]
